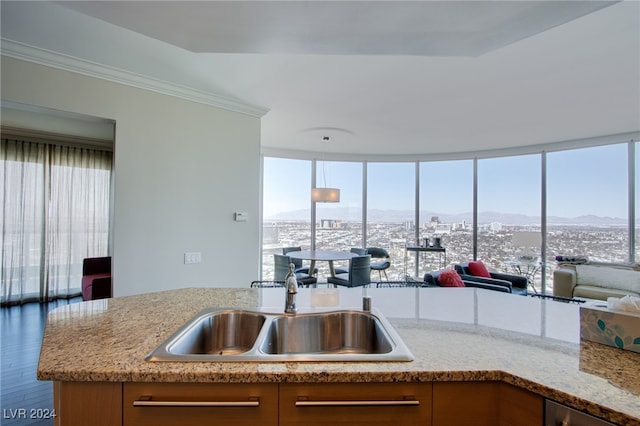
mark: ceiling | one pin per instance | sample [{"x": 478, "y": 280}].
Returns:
[{"x": 380, "y": 78}]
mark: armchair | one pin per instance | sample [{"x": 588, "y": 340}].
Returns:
[
  {"x": 96, "y": 278},
  {"x": 517, "y": 283}
]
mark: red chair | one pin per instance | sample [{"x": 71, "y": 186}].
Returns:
[{"x": 96, "y": 278}]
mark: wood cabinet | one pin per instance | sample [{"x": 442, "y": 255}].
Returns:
[
  {"x": 292, "y": 404},
  {"x": 164, "y": 404},
  {"x": 369, "y": 404},
  {"x": 485, "y": 403},
  {"x": 87, "y": 403}
]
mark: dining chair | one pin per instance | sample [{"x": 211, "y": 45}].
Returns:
[
  {"x": 299, "y": 267},
  {"x": 356, "y": 250},
  {"x": 359, "y": 273},
  {"x": 281, "y": 263},
  {"x": 383, "y": 265}
]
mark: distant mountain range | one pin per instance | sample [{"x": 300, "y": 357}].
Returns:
[{"x": 374, "y": 215}]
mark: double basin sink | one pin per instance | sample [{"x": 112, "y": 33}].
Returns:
[{"x": 239, "y": 335}]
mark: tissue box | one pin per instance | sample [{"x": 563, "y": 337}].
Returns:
[{"x": 619, "y": 329}]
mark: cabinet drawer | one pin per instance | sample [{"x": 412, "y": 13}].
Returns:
[
  {"x": 161, "y": 404},
  {"x": 355, "y": 404}
]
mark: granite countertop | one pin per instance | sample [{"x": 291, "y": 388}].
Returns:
[{"x": 455, "y": 335}]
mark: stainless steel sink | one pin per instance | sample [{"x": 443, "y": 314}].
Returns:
[
  {"x": 221, "y": 333},
  {"x": 237, "y": 335},
  {"x": 344, "y": 332}
]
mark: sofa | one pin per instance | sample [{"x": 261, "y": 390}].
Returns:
[
  {"x": 96, "y": 278},
  {"x": 595, "y": 280},
  {"x": 433, "y": 279},
  {"x": 517, "y": 284}
]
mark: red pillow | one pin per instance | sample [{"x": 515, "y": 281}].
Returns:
[
  {"x": 478, "y": 269},
  {"x": 450, "y": 278}
]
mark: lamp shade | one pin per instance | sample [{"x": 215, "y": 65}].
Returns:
[{"x": 325, "y": 195}]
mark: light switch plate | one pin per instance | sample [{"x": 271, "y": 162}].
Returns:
[
  {"x": 241, "y": 216},
  {"x": 192, "y": 257}
]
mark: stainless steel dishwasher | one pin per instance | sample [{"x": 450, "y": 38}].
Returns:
[{"x": 561, "y": 415}]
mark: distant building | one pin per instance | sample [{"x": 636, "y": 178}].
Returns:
[
  {"x": 461, "y": 226},
  {"x": 408, "y": 225},
  {"x": 495, "y": 226},
  {"x": 490, "y": 227},
  {"x": 330, "y": 224}
]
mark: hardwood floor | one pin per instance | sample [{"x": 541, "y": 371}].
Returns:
[{"x": 21, "y": 394}]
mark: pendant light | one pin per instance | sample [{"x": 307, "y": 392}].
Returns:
[{"x": 324, "y": 194}]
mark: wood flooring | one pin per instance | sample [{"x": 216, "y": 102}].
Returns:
[{"x": 24, "y": 400}]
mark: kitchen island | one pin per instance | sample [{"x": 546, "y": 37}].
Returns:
[{"x": 457, "y": 336}]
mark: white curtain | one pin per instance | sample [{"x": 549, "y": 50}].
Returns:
[{"x": 55, "y": 212}]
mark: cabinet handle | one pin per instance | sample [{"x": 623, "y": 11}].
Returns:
[
  {"x": 403, "y": 402},
  {"x": 147, "y": 401}
]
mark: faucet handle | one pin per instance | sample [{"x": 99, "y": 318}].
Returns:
[
  {"x": 291, "y": 285},
  {"x": 290, "y": 281}
]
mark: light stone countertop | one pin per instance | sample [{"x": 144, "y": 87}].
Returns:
[{"x": 461, "y": 334}]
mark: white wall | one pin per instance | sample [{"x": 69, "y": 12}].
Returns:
[{"x": 181, "y": 170}]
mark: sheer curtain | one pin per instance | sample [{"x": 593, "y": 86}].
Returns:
[{"x": 55, "y": 212}]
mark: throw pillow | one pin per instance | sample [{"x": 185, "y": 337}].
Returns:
[
  {"x": 478, "y": 269},
  {"x": 450, "y": 278}
]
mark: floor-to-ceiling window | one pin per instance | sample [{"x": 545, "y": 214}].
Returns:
[
  {"x": 391, "y": 211},
  {"x": 509, "y": 234},
  {"x": 587, "y": 208},
  {"x": 54, "y": 203},
  {"x": 339, "y": 225},
  {"x": 587, "y": 203},
  {"x": 446, "y": 210},
  {"x": 285, "y": 208}
]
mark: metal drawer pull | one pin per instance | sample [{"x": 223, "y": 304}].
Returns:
[
  {"x": 408, "y": 401},
  {"x": 146, "y": 401}
]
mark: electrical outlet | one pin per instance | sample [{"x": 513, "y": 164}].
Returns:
[{"x": 192, "y": 257}]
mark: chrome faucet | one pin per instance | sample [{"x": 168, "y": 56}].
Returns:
[{"x": 291, "y": 284}]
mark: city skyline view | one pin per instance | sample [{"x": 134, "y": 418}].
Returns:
[
  {"x": 587, "y": 181},
  {"x": 495, "y": 247},
  {"x": 392, "y": 215},
  {"x": 587, "y": 195}
]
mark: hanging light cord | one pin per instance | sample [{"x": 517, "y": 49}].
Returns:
[
  {"x": 325, "y": 139},
  {"x": 324, "y": 177}
]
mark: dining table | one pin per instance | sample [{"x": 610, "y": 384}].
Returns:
[{"x": 314, "y": 256}]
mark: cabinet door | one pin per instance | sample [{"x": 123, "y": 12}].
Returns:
[
  {"x": 177, "y": 404},
  {"x": 88, "y": 403},
  {"x": 465, "y": 403},
  {"x": 353, "y": 404},
  {"x": 520, "y": 407},
  {"x": 485, "y": 404}
]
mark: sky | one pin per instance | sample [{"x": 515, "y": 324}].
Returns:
[{"x": 579, "y": 182}]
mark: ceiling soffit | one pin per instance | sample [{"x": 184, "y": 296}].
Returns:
[{"x": 425, "y": 28}]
